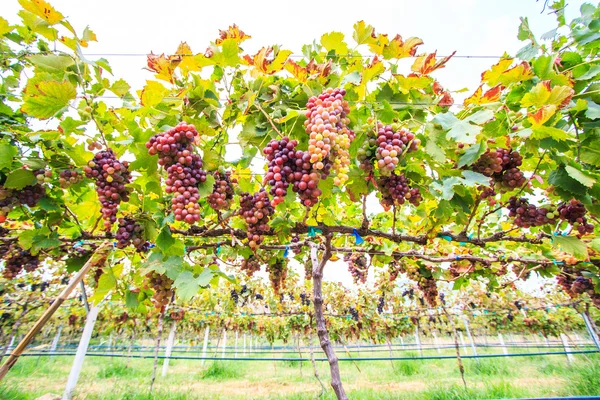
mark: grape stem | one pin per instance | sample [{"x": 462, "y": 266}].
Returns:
[{"x": 268, "y": 119}]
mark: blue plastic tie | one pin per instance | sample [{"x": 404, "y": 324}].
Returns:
[
  {"x": 218, "y": 249},
  {"x": 151, "y": 246},
  {"x": 357, "y": 238},
  {"x": 457, "y": 258},
  {"x": 114, "y": 245},
  {"x": 78, "y": 244},
  {"x": 287, "y": 251},
  {"x": 312, "y": 231},
  {"x": 445, "y": 237}
]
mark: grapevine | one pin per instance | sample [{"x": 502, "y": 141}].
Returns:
[
  {"x": 527, "y": 215},
  {"x": 222, "y": 195},
  {"x": 130, "y": 232},
  {"x": 163, "y": 288},
  {"x": 358, "y": 266},
  {"x": 574, "y": 212},
  {"x": 395, "y": 190},
  {"x": 256, "y": 210}
]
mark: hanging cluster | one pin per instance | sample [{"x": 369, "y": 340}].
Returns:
[
  {"x": 222, "y": 195},
  {"x": 277, "y": 275},
  {"x": 162, "y": 286},
  {"x": 384, "y": 146},
  {"x": 256, "y": 209},
  {"x": 130, "y": 232},
  {"x": 502, "y": 165},
  {"x": 330, "y": 138},
  {"x": 395, "y": 191},
  {"x": 527, "y": 215},
  {"x": 184, "y": 169},
  {"x": 358, "y": 266},
  {"x": 574, "y": 212},
  {"x": 250, "y": 265},
  {"x": 110, "y": 176},
  {"x": 20, "y": 260},
  {"x": 30, "y": 195}
]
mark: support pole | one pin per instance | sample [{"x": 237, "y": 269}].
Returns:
[
  {"x": 590, "y": 328},
  {"x": 244, "y": 343},
  {"x": 224, "y": 345},
  {"x": 170, "y": 341},
  {"x": 501, "y": 339},
  {"x": 81, "y": 350},
  {"x": 236, "y": 343},
  {"x": 466, "y": 322},
  {"x": 418, "y": 340},
  {"x": 436, "y": 342},
  {"x": 205, "y": 346},
  {"x": 462, "y": 341},
  {"x": 97, "y": 259},
  {"x": 55, "y": 341},
  {"x": 86, "y": 304},
  {"x": 565, "y": 343}
]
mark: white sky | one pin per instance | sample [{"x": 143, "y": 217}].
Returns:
[{"x": 471, "y": 27}]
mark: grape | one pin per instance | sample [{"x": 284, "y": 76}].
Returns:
[
  {"x": 163, "y": 288},
  {"x": 110, "y": 177},
  {"x": 250, "y": 265},
  {"x": 392, "y": 144},
  {"x": 304, "y": 300},
  {"x": 130, "y": 232},
  {"x": 353, "y": 312},
  {"x": 574, "y": 212},
  {"x": 429, "y": 288},
  {"x": 380, "y": 304},
  {"x": 256, "y": 210},
  {"x": 394, "y": 270},
  {"x": 503, "y": 166},
  {"x": 394, "y": 190},
  {"x": 30, "y": 195},
  {"x": 220, "y": 198},
  {"x": 234, "y": 296},
  {"x": 327, "y": 124},
  {"x": 69, "y": 177},
  {"x": 358, "y": 266},
  {"x": 582, "y": 285},
  {"x": 21, "y": 259},
  {"x": 259, "y": 296},
  {"x": 277, "y": 275},
  {"x": 490, "y": 163},
  {"x": 527, "y": 215},
  {"x": 73, "y": 319},
  {"x": 184, "y": 169}
]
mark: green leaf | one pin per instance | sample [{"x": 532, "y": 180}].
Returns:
[
  {"x": 475, "y": 178},
  {"x": 561, "y": 179},
  {"x": 230, "y": 53},
  {"x": 593, "y": 110},
  {"x": 446, "y": 189},
  {"x": 106, "y": 284},
  {"x": 480, "y": 116},
  {"x": 165, "y": 240},
  {"x": 335, "y": 41},
  {"x": 542, "y": 66},
  {"x": 571, "y": 245},
  {"x": 7, "y": 153},
  {"x": 187, "y": 286},
  {"x": 19, "y": 178},
  {"x": 363, "y": 33},
  {"x": 206, "y": 188},
  {"x": 471, "y": 155},
  {"x": 131, "y": 299},
  {"x": 120, "y": 88},
  {"x": 463, "y": 131},
  {"x": 52, "y": 97},
  {"x": 591, "y": 154},
  {"x": 580, "y": 176},
  {"x": 51, "y": 63},
  {"x": 542, "y": 132}
]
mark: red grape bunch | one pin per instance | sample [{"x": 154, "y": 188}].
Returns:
[
  {"x": 288, "y": 166},
  {"x": 69, "y": 177},
  {"x": 110, "y": 176},
  {"x": 392, "y": 144},
  {"x": 222, "y": 195},
  {"x": 130, "y": 232},
  {"x": 21, "y": 259},
  {"x": 358, "y": 266},
  {"x": 395, "y": 190},
  {"x": 527, "y": 215},
  {"x": 256, "y": 209},
  {"x": 163, "y": 288},
  {"x": 250, "y": 265},
  {"x": 327, "y": 124},
  {"x": 503, "y": 166},
  {"x": 277, "y": 274},
  {"x": 184, "y": 169},
  {"x": 574, "y": 212}
]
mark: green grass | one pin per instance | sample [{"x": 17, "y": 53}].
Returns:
[
  {"x": 586, "y": 379},
  {"x": 220, "y": 371},
  {"x": 10, "y": 393},
  {"x": 110, "y": 370},
  {"x": 487, "y": 367}
]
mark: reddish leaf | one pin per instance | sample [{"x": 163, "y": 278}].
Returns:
[
  {"x": 426, "y": 64},
  {"x": 232, "y": 33}
]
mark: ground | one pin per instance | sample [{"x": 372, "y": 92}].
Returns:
[{"x": 112, "y": 378}]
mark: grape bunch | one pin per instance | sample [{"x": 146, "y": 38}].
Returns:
[
  {"x": 395, "y": 190},
  {"x": 130, "y": 232},
  {"x": 222, "y": 195},
  {"x": 394, "y": 269},
  {"x": 353, "y": 313},
  {"x": 527, "y": 215},
  {"x": 304, "y": 300},
  {"x": 30, "y": 195},
  {"x": 19, "y": 260},
  {"x": 163, "y": 288},
  {"x": 184, "y": 169},
  {"x": 69, "y": 177},
  {"x": 256, "y": 209},
  {"x": 234, "y": 296},
  {"x": 250, "y": 265},
  {"x": 574, "y": 212},
  {"x": 7, "y": 202},
  {"x": 392, "y": 143},
  {"x": 582, "y": 285},
  {"x": 429, "y": 288},
  {"x": 288, "y": 166},
  {"x": 503, "y": 166},
  {"x": 380, "y": 304},
  {"x": 111, "y": 177},
  {"x": 358, "y": 266},
  {"x": 330, "y": 138},
  {"x": 277, "y": 274}
]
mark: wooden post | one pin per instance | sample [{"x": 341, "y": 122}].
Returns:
[
  {"x": 565, "y": 343},
  {"x": 224, "y": 345},
  {"x": 501, "y": 339},
  {"x": 170, "y": 341},
  {"x": 205, "y": 346},
  {"x": 97, "y": 259},
  {"x": 466, "y": 322},
  {"x": 81, "y": 350},
  {"x": 55, "y": 341}
]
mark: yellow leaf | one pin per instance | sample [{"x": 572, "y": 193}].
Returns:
[
  {"x": 502, "y": 74},
  {"x": 163, "y": 66},
  {"x": 43, "y": 10},
  {"x": 232, "y": 33},
  {"x": 412, "y": 81},
  {"x": 397, "y": 48},
  {"x": 153, "y": 93},
  {"x": 428, "y": 63},
  {"x": 371, "y": 71},
  {"x": 542, "y": 94},
  {"x": 491, "y": 96},
  {"x": 266, "y": 65},
  {"x": 312, "y": 69},
  {"x": 4, "y": 27},
  {"x": 188, "y": 61},
  {"x": 542, "y": 115}
]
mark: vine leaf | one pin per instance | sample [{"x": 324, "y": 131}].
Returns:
[
  {"x": 18, "y": 179},
  {"x": 7, "y": 153},
  {"x": 471, "y": 155},
  {"x": 50, "y": 98},
  {"x": 579, "y": 176},
  {"x": 335, "y": 41},
  {"x": 571, "y": 245},
  {"x": 43, "y": 10},
  {"x": 51, "y": 63},
  {"x": 501, "y": 74},
  {"x": 206, "y": 188}
]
